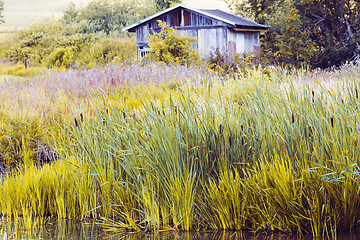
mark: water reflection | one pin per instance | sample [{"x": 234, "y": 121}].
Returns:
[
  {"x": 218, "y": 235},
  {"x": 63, "y": 229},
  {"x": 71, "y": 230}
]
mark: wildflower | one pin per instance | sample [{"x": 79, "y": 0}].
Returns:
[
  {"x": 295, "y": 15},
  {"x": 288, "y": 17},
  {"x": 288, "y": 26},
  {"x": 300, "y": 40}
]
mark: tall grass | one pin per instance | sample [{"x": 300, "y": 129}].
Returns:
[{"x": 272, "y": 150}]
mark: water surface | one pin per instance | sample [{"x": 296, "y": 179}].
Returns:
[{"x": 71, "y": 230}]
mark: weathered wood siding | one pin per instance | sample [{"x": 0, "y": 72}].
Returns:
[
  {"x": 211, "y": 33},
  {"x": 251, "y": 42},
  {"x": 142, "y": 35},
  {"x": 209, "y": 39},
  {"x": 184, "y": 18},
  {"x": 231, "y": 43},
  {"x": 245, "y": 42}
]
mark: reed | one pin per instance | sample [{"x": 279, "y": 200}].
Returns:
[{"x": 267, "y": 151}]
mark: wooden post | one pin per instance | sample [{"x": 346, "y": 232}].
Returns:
[{"x": 25, "y": 61}]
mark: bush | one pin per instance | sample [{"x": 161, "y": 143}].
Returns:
[
  {"x": 57, "y": 45},
  {"x": 61, "y": 57},
  {"x": 107, "y": 50},
  {"x": 168, "y": 46},
  {"x": 225, "y": 65}
]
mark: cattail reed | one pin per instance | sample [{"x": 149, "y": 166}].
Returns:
[
  {"x": 332, "y": 121},
  {"x": 356, "y": 93},
  {"x": 292, "y": 118},
  {"x": 76, "y": 123},
  {"x": 313, "y": 96}
]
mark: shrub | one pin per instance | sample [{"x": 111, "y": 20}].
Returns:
[
  {"x": 105, "y": 50},
  {"x": 225, "y": 65},
  {"x": 168, "y": 46},
  {"x": 60, "y": 57}
]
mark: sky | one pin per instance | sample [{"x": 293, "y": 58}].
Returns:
[{"x": 22, "y": 13}]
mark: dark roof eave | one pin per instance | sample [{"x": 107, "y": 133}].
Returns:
[{"x": 260, "y": 28}]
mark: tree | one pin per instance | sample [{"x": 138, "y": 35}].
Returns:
[
  {"x": 107, "y": 16},
  {"x": 164, "y": 4},
  {"x": 252, "y": 9},
  {"x": 321, "y": 33},
  {"x": 334, "y": 28},
  {"x": 1, "y": 12},
  {"x": 288, "y": 41},
  {"x": 71, "y": 14}
]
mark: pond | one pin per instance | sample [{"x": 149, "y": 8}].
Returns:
[{"x": 71, "y": 230}]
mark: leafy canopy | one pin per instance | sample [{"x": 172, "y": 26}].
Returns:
[
  {"x": 321, "y": 33},
  {"x": 107, "y": 16},
  {"x": 164, "y": 4}
]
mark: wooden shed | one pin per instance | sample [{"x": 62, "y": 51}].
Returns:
[{"x": 214, "y": 29}]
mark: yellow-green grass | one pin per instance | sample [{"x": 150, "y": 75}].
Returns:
[{"x": 270, "y": 150}]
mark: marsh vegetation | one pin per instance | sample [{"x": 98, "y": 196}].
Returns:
[
  {"x": 88, "y": 133},
  {"x": 157, "y": 147}
]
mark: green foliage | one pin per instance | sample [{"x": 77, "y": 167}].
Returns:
[
  {"x": 288, "y": 41},
  {"x": 107, "y": 16},
  {"x": 319, "y": 33},
  {"x": 236, "y": 155},
  {"x": 265, "y": 152},
  {"x": 252, "y": 9},
  {"x": 230, "y": 66},
  {"x": 1, "y": 11},
  {"x": 56, "y": 44},
  {"x": 168, "y": 46},
  {"x": 40, "y": 40},
  {"x": 164, "y": 4},
  {"x": 334, "y": 27},
  {"x": 71, "y": 14},
  {"x": 60, "y": 57},
  {"x": 107, "y": 50},
  {"x": 18, "y": 136}
]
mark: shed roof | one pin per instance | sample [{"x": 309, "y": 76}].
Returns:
[
  {"x": 231, "y": 19},
  {"x": 239, "y": 21}
]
